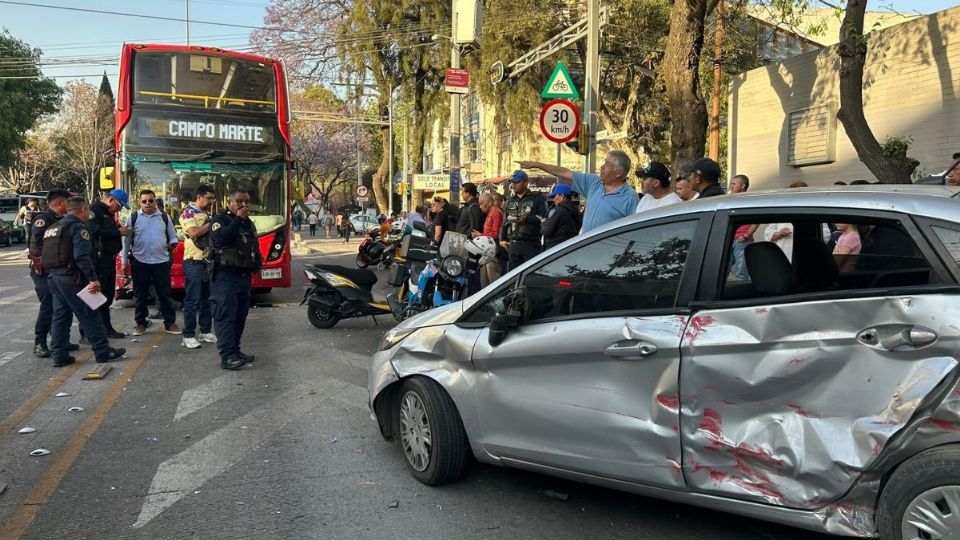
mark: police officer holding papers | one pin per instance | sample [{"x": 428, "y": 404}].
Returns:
[
  {"x": 236, "y": 257},
  {"x": 67, "y": 260}
]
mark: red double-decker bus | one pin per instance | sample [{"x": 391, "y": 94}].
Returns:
[{"x": 189, "y": 115}]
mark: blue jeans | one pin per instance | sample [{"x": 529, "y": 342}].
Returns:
[
  {"x": 739, "y": 260},
  {"x": 196, "y": 297},
  {"x": 66, "y": 304}
]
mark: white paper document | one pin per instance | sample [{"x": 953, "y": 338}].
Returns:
[{"x": 92, "y": 299}]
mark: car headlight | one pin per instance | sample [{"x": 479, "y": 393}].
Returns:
[
  {"x": 394, "y": 336},
  {"x": 452, "y": 266}
]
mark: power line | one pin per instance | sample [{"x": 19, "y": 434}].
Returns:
[{"x": 123, "y": 14}]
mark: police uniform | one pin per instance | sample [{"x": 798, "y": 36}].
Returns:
[
  {"x": 107, "y": 243},
  {"x": 522, "y": 215},
  {"x": 237, "y": 255},
  {"x": 41, "y": 328},
  {"x": 68, "y": 262}
]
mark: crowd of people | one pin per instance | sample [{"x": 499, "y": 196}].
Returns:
[{"x": 73, "y": 248}]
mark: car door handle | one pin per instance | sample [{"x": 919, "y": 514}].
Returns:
[
  {"x": 630, "y": 348},
  {"x": 897, "y": 337}
]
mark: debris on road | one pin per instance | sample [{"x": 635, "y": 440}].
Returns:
[
  {"x": 556, "y": 495},
  {"x": 62, "y": 394},
  {"x": 394, "y": 504},
  {"x": 76, "y": 409},
  {"x": 333, "y": 440},
  {"x": 98, "y": 374},
  {"x": 26, "y": 430},
  {"x": 39, "y": 452}
]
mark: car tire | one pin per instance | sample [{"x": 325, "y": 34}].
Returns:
[
  {"x": 930, "y": 480},
  {"x": 424, "y": 407},
  {"x": 321, "y": 319}
]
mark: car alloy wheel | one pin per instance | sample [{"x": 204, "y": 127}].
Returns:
[
  {"x": 431, "y": 431},
  {"x": 933, "y": 515},
  {"x": 415, "y": 434}
]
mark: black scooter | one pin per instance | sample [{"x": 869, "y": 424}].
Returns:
[{"x": 338, "y": 293}]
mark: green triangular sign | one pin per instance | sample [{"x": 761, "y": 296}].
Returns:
[{"x": 560, "y": 85}]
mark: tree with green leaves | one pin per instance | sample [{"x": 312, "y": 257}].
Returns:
[{"x": 25, "y": 95}]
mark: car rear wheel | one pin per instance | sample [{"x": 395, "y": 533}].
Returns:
[
  {"x": 921, "y": 501},
  {"x": 431, "y": 432}
]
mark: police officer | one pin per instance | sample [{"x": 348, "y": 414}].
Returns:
[
  {"x": 524, "y": 212},
  {"x": 56, "y": 208},
  {"x": 236, "y": 257},
  {"x": 69, "y": 266},
  {"x": 106, "y": 234}
]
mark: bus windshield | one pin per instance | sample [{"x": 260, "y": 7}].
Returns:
[
  {"x": 175, "y": 183},
  {"x": 188, "y": 79}
]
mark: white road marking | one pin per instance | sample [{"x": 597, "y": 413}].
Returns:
[
  {"x": 208, "y": 393},
  {"x": 17, "y": 298},
  {"x": 8, "y": 356},
  {"x": 8, "y": 288},
  {"x": 183, "y": 473}
]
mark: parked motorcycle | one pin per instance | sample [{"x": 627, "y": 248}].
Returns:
[
  {"x": 381, "y": 251},
  {"x": 340, "y": 293},
  {"x": 429, "y": 277}
]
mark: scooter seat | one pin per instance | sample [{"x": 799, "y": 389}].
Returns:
[{"x": 360, "y": 276}]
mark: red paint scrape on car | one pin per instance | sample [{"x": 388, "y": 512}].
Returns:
[
  {"x": 698, "y": 325},
  {"x": 712, "y": 424},
  {"x": 669, "y": 402}
]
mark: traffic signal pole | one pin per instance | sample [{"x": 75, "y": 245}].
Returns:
[
  {"x": 454, "y": 115},
  {"x": 591, "y": 84}
]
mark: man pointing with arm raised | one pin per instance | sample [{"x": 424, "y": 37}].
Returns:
[{"x": 608, "y": 195}]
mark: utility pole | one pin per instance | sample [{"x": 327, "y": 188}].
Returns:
[
  {"x": 390, "y": 163},
  {"x": 454, "y": 112},
  {"x": 591, "y": 84},
  {"x": 356, "y": 134},
  {"x": 186, "y": 19},
  {"x": 407, "y": 205},
  {"x": 714, "y": 147}
]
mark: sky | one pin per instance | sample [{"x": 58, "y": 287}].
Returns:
[{"x": 68, "y": 37}]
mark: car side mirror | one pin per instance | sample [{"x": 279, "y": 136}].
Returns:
[{"x": 500, "y": 325}]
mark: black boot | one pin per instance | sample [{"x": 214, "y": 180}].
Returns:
[{"x": 40, "y": 350}]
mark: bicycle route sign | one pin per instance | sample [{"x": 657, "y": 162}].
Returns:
[
  {"x": 559, "y": 120},
  {"x": 560, "y": 85}
]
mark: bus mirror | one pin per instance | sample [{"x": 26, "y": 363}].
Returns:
[{"x": 106, "y": 178}]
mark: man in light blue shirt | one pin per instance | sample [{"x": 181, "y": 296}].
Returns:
[
  {"x": 608, "y": 195},
  {"x": 146, "y": 258}
]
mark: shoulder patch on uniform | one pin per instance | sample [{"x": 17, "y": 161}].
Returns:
[
  {"x": 85, "y": 234},
  {"x": 215, "y": 226},
  {"x": 39, "y": 222}
]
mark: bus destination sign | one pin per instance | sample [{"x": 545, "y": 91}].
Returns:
[{"x": 204, "y": 131}]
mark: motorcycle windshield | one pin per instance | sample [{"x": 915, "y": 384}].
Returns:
[{"x": 454, "y": 243}]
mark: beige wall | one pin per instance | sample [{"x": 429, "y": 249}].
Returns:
[{"x": 910, "y": 90}]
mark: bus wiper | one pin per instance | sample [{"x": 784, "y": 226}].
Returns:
[
  {"x": 208, "y": 154},
  {"x": 265, "y": 159}
]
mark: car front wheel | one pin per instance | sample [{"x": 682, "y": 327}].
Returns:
[
  {"x": 922, "y": 498},
  {"x": 431, "y": 432}
]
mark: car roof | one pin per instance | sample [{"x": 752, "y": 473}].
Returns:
[{"x": 922, "y": 200}]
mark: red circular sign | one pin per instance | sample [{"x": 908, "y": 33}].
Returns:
[{"x": 560, "y": 120}]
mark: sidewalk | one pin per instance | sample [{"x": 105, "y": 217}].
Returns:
[{"x": 303, "y": 244}]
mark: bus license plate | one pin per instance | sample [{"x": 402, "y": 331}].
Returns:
[{"x": 271, "y": 273}]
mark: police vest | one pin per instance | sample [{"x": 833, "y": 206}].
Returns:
[
  {"x": 57, "y": 247},
  {"x": 520, "y": 209},
  {"x": 38, "y": 227},
  {"x": 243, "y": 254}
]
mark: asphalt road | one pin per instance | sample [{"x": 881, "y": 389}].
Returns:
[{"x": 171, "y": 446}]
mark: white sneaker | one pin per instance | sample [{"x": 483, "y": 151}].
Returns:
[
  {"x": 190, "y": 343},
  {"x": 207, "y": 338}
]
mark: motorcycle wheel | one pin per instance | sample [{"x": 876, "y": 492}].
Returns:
[
  {"x": 361, "y": 262},
  {"x": 321, "y": 319}
]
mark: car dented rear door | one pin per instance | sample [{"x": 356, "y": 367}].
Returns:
[
  {"x": 589, "y": 382},
  {"x": 788, "y": 399}
]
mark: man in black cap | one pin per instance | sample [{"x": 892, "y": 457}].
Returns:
[
  {"x": 655, "y": 181},
  {"x": 523, "y": 212},
  {"x": 704, "y": 177}
]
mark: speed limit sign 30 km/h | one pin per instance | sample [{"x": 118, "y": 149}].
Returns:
[{"x": 560, "y": 120}]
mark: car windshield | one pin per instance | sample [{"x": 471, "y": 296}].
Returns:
[{"x": 175, "y": 183}]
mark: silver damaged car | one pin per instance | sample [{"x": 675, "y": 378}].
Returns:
[{"x": 789, "y": 356}]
